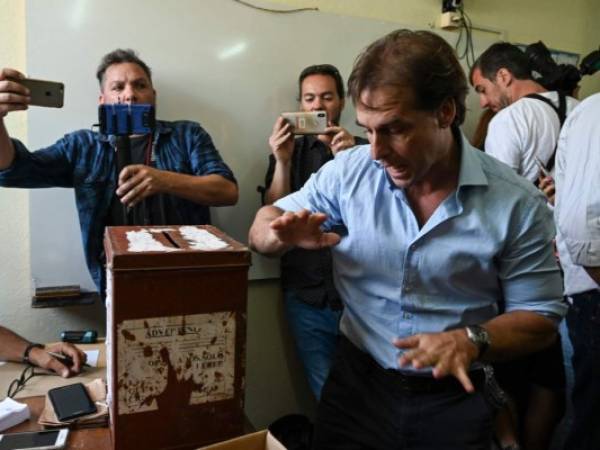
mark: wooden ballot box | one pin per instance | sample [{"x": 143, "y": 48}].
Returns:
[{"x": 176, "y": 332}]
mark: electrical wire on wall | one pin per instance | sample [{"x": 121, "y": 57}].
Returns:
[
  {"x": 464, "y": 43},
  {"x": 279, "y": 11}
]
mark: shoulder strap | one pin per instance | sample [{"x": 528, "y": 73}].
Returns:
[{"x": 561, "y": 111}]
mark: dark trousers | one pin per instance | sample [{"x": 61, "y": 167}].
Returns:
[
  {"x": 364, "y": 406},
  {"x": 583, "y": 323}
]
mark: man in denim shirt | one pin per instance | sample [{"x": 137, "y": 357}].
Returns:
[{"x": 176, "y": 174}]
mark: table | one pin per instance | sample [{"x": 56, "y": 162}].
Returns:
[
  {"x": 35, "y": 390},
  {"x": 85, "y": 439},
  {"x": 34, "y": 396}
]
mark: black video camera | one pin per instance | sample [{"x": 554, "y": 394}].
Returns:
[
  {"x": 590, "y": 64},
  {"x": 123, "y": 119},
  {"x": 554, "y": 77}
]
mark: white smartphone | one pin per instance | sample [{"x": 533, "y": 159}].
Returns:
[
  {"x": 35, "y": 440},
  {"x": 311, "y": 122},
  {"x": 44, "y": 93}
]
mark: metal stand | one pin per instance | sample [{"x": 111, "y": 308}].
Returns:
[{"x": 124, "y": 160}]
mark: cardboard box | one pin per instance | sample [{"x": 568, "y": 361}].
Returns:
[{"x": 261, "y": 440}]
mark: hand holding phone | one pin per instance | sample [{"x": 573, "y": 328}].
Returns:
[
  {"x": 43, "y": 93},
  {"x": 13, "y": 96},
  {"x": 543, "y": 171},
  {"x": 281, "y": 140}
]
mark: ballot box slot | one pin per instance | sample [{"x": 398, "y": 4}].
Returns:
[
  {"x": 205, "y": 268},
  {"x": 168, "y": 237}
]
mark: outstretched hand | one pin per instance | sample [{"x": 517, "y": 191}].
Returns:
[
  {"x": 546, "y": 185},
  {"x": 449, "y": 353},
  {"x": 303, "y": 229}
]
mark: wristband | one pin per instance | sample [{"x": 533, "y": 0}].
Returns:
[{"x": 28, "y": 350}]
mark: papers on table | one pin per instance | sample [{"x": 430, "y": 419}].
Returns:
[
  {"x": 12, "y": 413},
  {"x": 92, "y": 357}
]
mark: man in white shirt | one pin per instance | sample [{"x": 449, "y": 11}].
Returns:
[
  {"x": 577, "y": 217},
  {"x": 528, "y": 120},
  {"x": 523, "y": 134}
]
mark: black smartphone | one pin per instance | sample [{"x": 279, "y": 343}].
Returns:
[{"x": 71, "y": 401}]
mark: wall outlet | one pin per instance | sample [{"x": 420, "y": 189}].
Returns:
[{"x": 449, "y": 20}]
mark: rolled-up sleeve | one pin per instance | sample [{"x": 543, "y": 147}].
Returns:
[
  {"x": 319, "y": 194},
  {"x": 528, "y": 271}
]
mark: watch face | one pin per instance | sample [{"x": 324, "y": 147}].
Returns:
[{"x": 479, "y": 336}]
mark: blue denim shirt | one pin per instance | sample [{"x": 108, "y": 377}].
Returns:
[
  {"x": 85, "y": 160},
  {"x": 489, "y": 241}
]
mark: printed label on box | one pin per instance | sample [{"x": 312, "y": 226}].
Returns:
[{"x": 190, "y": 359}]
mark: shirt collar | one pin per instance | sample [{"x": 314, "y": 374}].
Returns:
[{"x": 471, "y": 172}]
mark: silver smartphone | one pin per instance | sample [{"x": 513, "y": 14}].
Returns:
[
  {"x": 312, "y": 122},
  {"x": 542, "y": 167},
  {"x": 35, "y": 440},
  {"x": 44, "y": 93}
]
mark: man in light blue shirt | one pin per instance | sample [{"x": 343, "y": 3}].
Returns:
[{"x": 427, "y": 236}]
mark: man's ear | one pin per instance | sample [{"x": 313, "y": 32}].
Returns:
[
  {"x": 504, "y": 77},
  {"x": 101, "y": 99},
  {"x": 446, "y": 113}
]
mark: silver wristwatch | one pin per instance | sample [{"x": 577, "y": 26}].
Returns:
[{"x": 480, "y": 337}]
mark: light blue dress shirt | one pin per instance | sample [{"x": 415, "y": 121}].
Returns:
[{"x": 489, "y": 240}]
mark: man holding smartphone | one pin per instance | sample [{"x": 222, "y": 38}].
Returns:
[
  {"x": 312, "y": 302},
  {"x": 176, "y": 171}
]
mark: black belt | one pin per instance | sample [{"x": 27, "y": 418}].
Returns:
[
  {"x": 407, "y": 382},
  {"x": 591, "y": 295}
]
